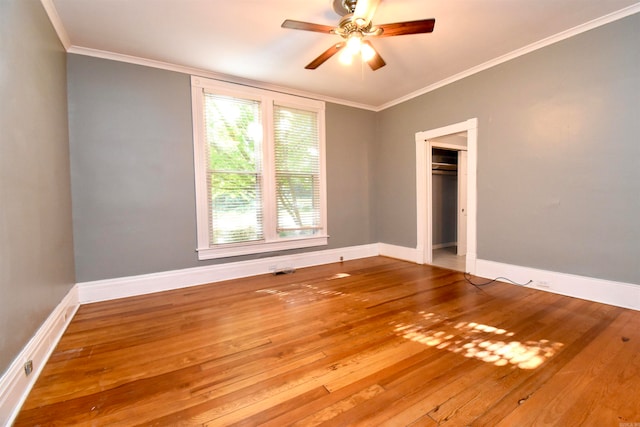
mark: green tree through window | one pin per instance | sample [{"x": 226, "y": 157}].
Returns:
[
  {"x": 234, "y": 136},
  {"x": 297, "y": 172},
  {"x": 259, "y": 168}
]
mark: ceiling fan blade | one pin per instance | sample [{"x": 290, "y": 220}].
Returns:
[
  {"x": 410, "y": 27},
  {"x": 377, "y": 61},
  {"x": 365, "y": 9},
  {"x": 306, "y": 26},
  {"x": 325, "y": 55}
]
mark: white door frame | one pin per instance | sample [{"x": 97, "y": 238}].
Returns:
[
  {"x": 424, "y": 190},
  {"x": 461, "y": 214}
]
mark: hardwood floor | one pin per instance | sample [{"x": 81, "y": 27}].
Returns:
[{"x": 366, "y": 342}]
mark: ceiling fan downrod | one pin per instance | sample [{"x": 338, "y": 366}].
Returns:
[{"x": 349, "y": 5}]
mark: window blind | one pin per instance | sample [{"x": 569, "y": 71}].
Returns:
[
  {"x": 233, "y": 132},
  {"x": 297, "y": 172}
]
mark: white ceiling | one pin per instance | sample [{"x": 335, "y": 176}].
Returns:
[{"x": 243, "y": 38}]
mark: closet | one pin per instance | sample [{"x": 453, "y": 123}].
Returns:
[{"x": 444, "y": 170}]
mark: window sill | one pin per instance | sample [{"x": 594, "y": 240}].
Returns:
[{"x": 228, "y": 251}]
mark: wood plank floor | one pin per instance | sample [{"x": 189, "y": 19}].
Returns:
[{"x": 366, "y": 342}]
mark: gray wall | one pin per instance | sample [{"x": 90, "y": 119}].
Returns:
[
  {"x": 133, "y": 179},
  {"x": 36, "y": 247},
  {"x": 558, "y": 168},
  {"x": 558, "y": 160},
  {"x": 350, "y": 135},
  {"x": 131, "y": 169},
  {"x": 557, "y": 175}
]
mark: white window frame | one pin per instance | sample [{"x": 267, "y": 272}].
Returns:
[{"x": 271, "y": 242}]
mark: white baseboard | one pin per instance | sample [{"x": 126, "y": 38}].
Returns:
[
  {"x": 620, "y": 294},
  {"x": 398, "y": 252},
  {"x": 14, "y": 384},
  {"x": 103, "y": 290},
  {"x": 609, "y": 292}
]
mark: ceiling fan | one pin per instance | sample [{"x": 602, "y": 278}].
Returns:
[{"x": 354, "y": 28}]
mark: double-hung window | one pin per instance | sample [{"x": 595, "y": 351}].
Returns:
[{"x": 260, "y": 170}]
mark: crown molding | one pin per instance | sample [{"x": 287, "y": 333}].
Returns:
[
  {"x": 70, "y": 48},
  {"x": 79, "y": 50},
  {"x": 52, "y": 12},
  {"x": 598, "y": 22}
]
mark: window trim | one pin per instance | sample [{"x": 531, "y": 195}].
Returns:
[{"x": 272, "y": 242}]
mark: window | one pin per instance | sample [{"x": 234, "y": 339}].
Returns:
[{"x": 259, "y": 161}]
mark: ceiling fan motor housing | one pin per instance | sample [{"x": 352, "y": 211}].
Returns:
[
  {"x": 355, "y": 25},
  {"x": 349, "y": 24}
]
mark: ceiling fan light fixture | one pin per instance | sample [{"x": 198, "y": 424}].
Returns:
[
  {"x": 354, "y": 43},
  {"x": 345, "y": 57},
  {"x": 368, "y": 53},
  {"x": 355, "y": 28}
]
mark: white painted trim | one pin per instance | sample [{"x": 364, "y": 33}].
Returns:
[
  {"x": 398, "y": 252},
  {"x": 449, "y": 130},
  {"x": 424, "y": 230},
  {"x": 232, "y": 250},
  {"x": 620, "y": 294},
  {"x": 421, "y": 200},
  {"x": 268, "y": 101},
  {"x": 103, "y": 290},
  {"x": 461, "y": 211},
  {"x": 64, "y": 38},
  {"x": 79, "y": 50},
  {"x": 622, "y": 13},
  {"x": 14, "y": 384},
  {"x": 595, "y": 23},
  {"x": 199, "y": 165},
  {"x": 52, "y": 12}
]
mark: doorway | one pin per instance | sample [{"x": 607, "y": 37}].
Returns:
[
  {"x": 459, "y": 137},
  {"x": 448, "y": 200}
]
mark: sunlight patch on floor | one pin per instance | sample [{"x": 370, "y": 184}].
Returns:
[
  {"x": 475, "y": 340},
  {"x": 301, "y": 293}
]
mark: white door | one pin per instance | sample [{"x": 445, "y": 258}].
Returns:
[{"x": 462, "y": 203}]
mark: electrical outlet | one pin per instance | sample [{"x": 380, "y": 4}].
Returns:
[{"x": 28, "y": 367}]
